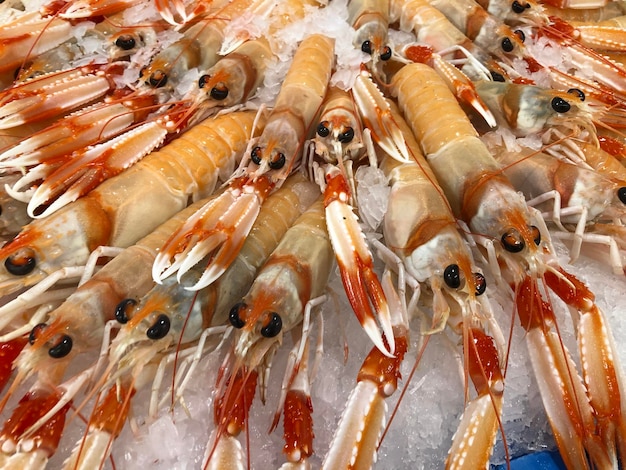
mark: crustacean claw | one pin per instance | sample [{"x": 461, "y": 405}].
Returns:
[
  {"x": 563, "y": 392},
  {"x": 457, "y": 81},
  {"x": 358, "y": 435},
  {"x": 52, "y": 94},
  {"x": 355, "y": 262},
  {"x": 472, "y": 443},
  {"x": 78, "y": 130},
  {"x": 221, "y": 226},
  {"x": 599, "y": 359},
  {"x": 377, "y": 117},
  {"x": 34, "y": 430},
  {"x": 90, "y": 168},
  {"x": 30, "y": 34}
]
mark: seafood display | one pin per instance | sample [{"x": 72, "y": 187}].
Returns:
[{"x": 392, "y": 229}]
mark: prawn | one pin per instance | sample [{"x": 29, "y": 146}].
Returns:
[
  {"x": 157, "y": 322},
  {"x": 516, "y": 11},
  {"x": 189, "y": 167},
  {"x": 222, "y": 226},
  {"x": 431, "y": 27},
  {"x": 55, "y": 344},
  {"x": 339, "y": 138},
  {"x": 235, "y": 77},
  {"x": 295, "y": 274},
  {"x": 567, "y": 194},
  {"x": 528, "y": 109},
  {"x": 421, "y": 234},
  {"x": 485, "y": 30},
  {"x": 54, "y": 93},
  {"x": 524, "y": 250},
  {"x": 198, "y": 47},
  {"x": 370, "y": 19}
]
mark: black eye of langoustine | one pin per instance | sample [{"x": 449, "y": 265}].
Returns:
[
  {"x": 273, "y": 327},
  {"x": 157, "y": 79},
  {"x": 219, "y": 93},
  {"x": 496, "y": 77},
  {"x": 278, "y": 162},
  {"x": 366, "y": 47},
  {"x": 386, "y": 55},
  {"x": 536, "y": 234},
  {"x": 255, "y": 155},
  {"x": 159, "y": 328},
  {"x": 621, "y": 194},
  {"x": 125, "y": 42},
  {"x": 62, "y": 349},
  {"x": 577, "y": 92},
  {"x": 234, "y": 317},
  {"x": 322, "y": 129},
  {"x": 35, "y": 332},
  {"x": 203, "y": 80},
  {"x": 122, "y": 309},
  {"x": 346, "y": 136},
  {"x": 512, "y": 241},
  {"x": 518, "y": 8},
  {"x": 507, "y": 45},
  {"x": 560, "y": 105},
  {"x": 452, "y": 276},
  {"x": 480, "y": 282},
  {"x": 21, "y": 262},
  {"x": 520, "y": 34}
]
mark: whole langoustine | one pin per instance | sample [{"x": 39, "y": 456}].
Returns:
[{"x": 189, "y": 168}]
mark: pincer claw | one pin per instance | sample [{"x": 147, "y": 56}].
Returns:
[
  {"x": 93, "y": 166},
  {"x": 376, "y": 115},
  {"x": 219, "y": 228},
  {"x": 51, "y": 95},
  {"x": 355, "y": 263}
]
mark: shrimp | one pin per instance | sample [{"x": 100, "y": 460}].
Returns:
[
  {"x": 222, "y": 226},
  {"x": 339, "y": 131},
  {"x": 516, "y": 11},
  {"x": 295, "y": 274},
  {"x": 524, "y": 250},
  {"x": 431, "y": 27},
  {"x": 55, "y": 344},
  {"x": 66, "y": 178},
  {"x": 338, "y": 138},
  {"x": 90, "y": 167},
  {"x": 370, "y": 19},
  {"x": 527, "y": 109},
  {"x": 54, "y": 93},
  {"x": 198, "y": 47},
  {"x": 610, "y": 10},
  {"x": 459, "y": 83},
  {"x": 567, "y": 194},
  {"x": 77, "y": 130},
  {"x": 422, "y": 237},
  {"x": 189, "y": 167},
  {"x": 236, "y": 77},
  {"x": 607, "y": 74},
  {"x": 158, "y": 321},
  {"x": 485, "y": 30}
]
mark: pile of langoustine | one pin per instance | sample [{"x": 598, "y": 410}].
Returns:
[{"x": 87, "y": 95}]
